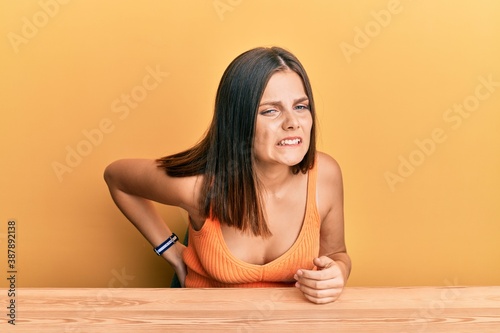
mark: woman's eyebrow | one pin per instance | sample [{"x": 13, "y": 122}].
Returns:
[{"x": 298, "y": 100}]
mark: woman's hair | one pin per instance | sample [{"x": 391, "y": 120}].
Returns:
[{"x": 230, "y": 191}]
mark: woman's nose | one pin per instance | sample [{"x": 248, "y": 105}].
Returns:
[{"x": 291, "y": 121}]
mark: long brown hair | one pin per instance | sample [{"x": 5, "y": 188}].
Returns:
[{"x": 224, "y": 155}]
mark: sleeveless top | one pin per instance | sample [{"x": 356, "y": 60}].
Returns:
[{"x": 210, "y": 264}]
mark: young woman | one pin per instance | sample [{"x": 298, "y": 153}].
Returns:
[{"x": 265, "y": 208}]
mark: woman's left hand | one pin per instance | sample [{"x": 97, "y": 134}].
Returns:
[{"x": 323, "y": 285}]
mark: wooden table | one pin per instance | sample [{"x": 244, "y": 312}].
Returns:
[{"x": 384, "y": 310}]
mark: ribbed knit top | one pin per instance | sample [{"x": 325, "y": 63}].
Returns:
[{"x": 210, "y": 264}]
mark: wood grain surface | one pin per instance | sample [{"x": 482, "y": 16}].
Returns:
[{"x": 384, "y": 310}]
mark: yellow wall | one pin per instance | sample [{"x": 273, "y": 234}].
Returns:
[{"x": 408, "y": 97}]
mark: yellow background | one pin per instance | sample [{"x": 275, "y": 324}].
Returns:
[{"x": 381, "y": 83}]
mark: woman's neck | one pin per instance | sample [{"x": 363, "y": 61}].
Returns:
[{"x": 274, "y": 180}]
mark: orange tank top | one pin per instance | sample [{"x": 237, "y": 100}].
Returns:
[{"x": 210, "y": 264}]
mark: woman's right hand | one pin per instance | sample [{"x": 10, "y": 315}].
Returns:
[{"x": 177, "y": 262}]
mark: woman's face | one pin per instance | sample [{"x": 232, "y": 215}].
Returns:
[{"x": 284, "y": 121}]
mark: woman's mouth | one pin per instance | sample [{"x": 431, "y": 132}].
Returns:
[{"x": 290, "y": 142}]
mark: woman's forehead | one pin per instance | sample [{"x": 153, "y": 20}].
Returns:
[{"x": 283, "y": 84}]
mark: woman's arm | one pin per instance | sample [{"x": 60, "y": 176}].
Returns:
[
  {"x": 334, "y": 265},
  {"x": 332, "y": 243},
  {"x": 134, "y": 184}
]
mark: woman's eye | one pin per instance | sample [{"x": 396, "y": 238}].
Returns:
[
  {"x": 302, "y": 107},
  {"x": 268, "y": 112}
]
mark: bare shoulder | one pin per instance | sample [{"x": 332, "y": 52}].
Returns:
[
  {"x": 328, "y": 169},
  {"x": 329, "y": 184}
]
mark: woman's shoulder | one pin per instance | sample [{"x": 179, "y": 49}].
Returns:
[
  {"x": 329, "y": 186},
  {"x": 328, "y": 168}
]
